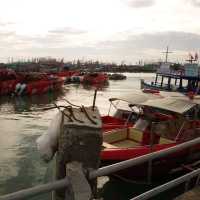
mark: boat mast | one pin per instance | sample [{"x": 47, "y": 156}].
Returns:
[{"x": 166, "y": 53}]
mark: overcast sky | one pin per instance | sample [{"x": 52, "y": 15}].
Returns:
[{"x": 107, "y": 30}]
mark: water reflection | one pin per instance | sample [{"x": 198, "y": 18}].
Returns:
[
  {"x": 99, "y": 87},
  {"x": 30, "y": 169},
  {"x": 26, "y": 103}
]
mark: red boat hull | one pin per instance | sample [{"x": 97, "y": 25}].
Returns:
[
  {"x": 7, "y": 87},
  {"x": 160, "y": 167},
  {"x": 43, "y": 86},
  {"x": 95, "y": 79}
]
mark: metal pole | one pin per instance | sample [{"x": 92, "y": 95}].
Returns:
[
  {"x": 166, "y": 186},
  {"x": 109, "y": 109},
  {"x": 135, "y": 161},
  {"x": 94, "y": 100},
  {"x": 36, "y": 190}
]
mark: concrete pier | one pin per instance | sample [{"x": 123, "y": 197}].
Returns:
[{"x": 79, "y": 147}]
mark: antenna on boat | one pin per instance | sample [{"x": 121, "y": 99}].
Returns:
[
  {"x": 94, "y": 99},
  {"x": 166, "y": 53}
]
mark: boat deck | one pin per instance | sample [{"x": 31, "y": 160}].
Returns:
[
  {"x": 126, "y": 138},
  {"x": 126, "y": 144}
]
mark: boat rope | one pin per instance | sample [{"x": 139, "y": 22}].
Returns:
[
  {"x": 71, "y": 103},
  {"x": 87, "y": 115},
  {"x": 180, "y": 131},
  {"x": 49, "y": 108},
  {"x": 69, "y": 108},
  {"x": 69, "y": 117}
]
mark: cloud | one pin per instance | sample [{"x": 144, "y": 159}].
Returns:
[
  {"x": 158, "y": 40},
  {"x": 67, "y": 30},
  {"x": 195, "y": 2},
  {"x": 131, "y": 48},
  {"x": 6, "y": 34},
  {"x": 6, "y": 23},
  {"x": 140, "y": 3}
]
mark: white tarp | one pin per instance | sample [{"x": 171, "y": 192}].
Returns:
[{"x": 47, "y": 143}]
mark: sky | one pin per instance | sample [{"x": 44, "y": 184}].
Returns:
[{"x": 105, "y": 30}]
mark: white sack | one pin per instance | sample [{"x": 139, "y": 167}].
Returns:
[{"x": 47, "y": 143}]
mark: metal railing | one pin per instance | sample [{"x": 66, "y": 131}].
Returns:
[
  {"x": 30, "y": 192},
  {"x": 169, "y": 185},
  {"x": 100, "y": 172}
]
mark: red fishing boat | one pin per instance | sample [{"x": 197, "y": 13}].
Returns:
[
  {"x": 37, "y": 83},
  {"x": 162, "y": 123},
  {"x": 8, "y": 80},
  {"x": 95, "y": 78}
]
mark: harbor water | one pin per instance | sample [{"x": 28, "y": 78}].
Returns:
[{"x": 22, "y": 121}]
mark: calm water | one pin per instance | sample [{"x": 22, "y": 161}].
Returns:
[{"x": 21, "y": 124}]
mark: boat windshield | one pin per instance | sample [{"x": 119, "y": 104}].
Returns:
[{"x": 121, "y": 109}]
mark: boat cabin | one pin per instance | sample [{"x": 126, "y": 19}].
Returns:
[
  {"x": 184, "y": 80},
  {"x": 160, "y": 121}
]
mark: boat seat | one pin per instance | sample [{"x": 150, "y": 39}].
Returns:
[
  {"x": 115, "y": 135},
  {"x": 126, "y": 144},
  {"x": 109, "y": 146},
  {"x": 165, "y": 141},
  {"x": 135, "y": 134}
]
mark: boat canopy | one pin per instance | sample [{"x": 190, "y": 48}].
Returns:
[
  {"x": 169, "y": 101},
  {"x": 177, "y": 105},
  {"x": 136, "y": 98}
]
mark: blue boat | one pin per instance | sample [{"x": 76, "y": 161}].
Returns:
[{"x": 185, "y": 80}]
